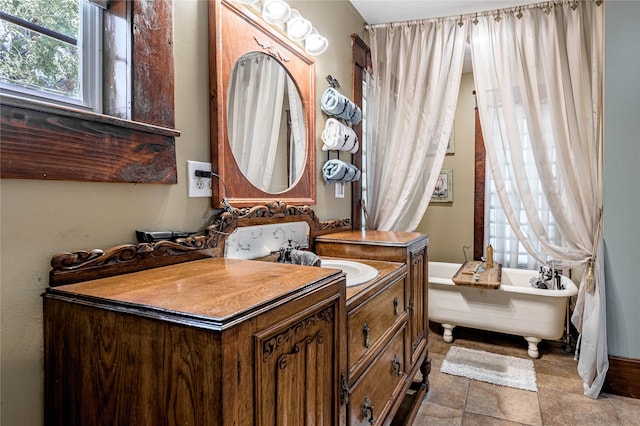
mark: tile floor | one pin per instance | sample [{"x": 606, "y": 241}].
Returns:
[{"x": 459, "y": 401}]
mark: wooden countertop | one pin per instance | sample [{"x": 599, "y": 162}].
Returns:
[
  {"x": 217, "y": 289},
  {"x": 387, "y": 238}
]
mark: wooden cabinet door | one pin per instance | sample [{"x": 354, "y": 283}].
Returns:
[
  {"x": 418, "y": 304},
  {"x": 299, "y": 360}
]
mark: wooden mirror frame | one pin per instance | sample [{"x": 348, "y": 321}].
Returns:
[{"x": 235, "y": 30}]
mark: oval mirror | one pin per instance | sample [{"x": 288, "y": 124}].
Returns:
[
  {"x": 266, "y": 123},
  {"x": 257, "y": 78}
]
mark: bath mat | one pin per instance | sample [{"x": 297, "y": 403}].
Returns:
[{"x": 491, "y": 368}]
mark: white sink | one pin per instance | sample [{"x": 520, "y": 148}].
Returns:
[{"x": 357, "y": 273}]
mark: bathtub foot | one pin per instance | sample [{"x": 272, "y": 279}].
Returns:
[
  {"x": 533, "y": 346},
  {"x": 447, "y": 335}
]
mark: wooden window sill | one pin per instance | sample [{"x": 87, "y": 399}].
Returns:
[{"x": 49, "y": 142}]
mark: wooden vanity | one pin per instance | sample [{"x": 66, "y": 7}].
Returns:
[
  {"x": 410, "y": 327},
  {"x": 234, "y": 342},
  {"x": 214, "y": 341}
]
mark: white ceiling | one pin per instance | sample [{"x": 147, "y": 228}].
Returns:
[{"x": 383, "y": 11}]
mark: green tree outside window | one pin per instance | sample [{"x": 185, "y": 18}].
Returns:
[{"x": 33, "y": 60}]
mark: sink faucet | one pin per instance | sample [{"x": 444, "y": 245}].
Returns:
[{"x": 285, "y": 251}]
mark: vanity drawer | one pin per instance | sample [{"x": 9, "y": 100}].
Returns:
[
  {"x": 377, "y": 389},
  {"x": 371, "y": 321}
]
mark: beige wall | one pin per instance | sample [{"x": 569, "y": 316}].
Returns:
[
  {"x": 450, "y": 225},
  {"x": 336, "y": 20},
  {"x": 39, "y": 219}
]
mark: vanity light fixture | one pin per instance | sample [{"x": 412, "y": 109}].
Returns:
[
  {"x": 275, "y": 12},
  {"x": 298, "y": 28},
  {"x": 315, "y": 44}
]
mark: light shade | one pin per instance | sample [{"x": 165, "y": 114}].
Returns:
[
  {"x": 298, "y": 28},
  {"x": 275, "y": 11},
  {"x": 315, "y": 44}
]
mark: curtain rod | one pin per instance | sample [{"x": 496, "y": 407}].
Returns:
[{"x": 542, "y": 5}]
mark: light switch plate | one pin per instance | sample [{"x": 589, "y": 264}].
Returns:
[
  {"x": 198, "y": 186},
  {"x": 339, "y": 189}
]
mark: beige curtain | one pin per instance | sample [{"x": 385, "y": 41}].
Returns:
[
  {"x": 254, "y": 110},
  {"x": 297, "y": 142},
  {"x": 539, "y": 82},
  {"x": 417, "y": 68}
]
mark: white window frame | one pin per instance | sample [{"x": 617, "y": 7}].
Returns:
[{"x": 90, "y": 79}]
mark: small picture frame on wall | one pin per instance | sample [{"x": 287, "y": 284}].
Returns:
[
  {"x": 451, "y": 149},
  {"x": 443, "y": 191}
]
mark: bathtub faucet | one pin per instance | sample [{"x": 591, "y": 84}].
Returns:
[
  {"x": 546, "y": 276},
  {"x": 546, "y": 273},
  {"x": 556, "y": 272},
  {"x": 550, "y": 275}
]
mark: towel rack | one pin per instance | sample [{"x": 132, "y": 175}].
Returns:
[
  {"x": 333, "y": 82},
  {"x": 333, "y": 150}
]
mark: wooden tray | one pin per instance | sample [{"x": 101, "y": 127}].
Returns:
[{"x": 489, "y": 278}]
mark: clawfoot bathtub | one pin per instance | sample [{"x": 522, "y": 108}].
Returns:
[{"x": 514, "y": 308}]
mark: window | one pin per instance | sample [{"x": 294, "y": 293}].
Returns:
[
  {"x": 50, "y": 50},
  {"x": 494, "y": 227},
  {"x": 506, "y": 248},
  {"x": 133, "y": 139}
]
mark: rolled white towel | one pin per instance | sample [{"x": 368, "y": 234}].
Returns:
[
  {"x": 303, "y": 257},
  {"x": 336, "y": 104},
  {"x": 337, "y": 136},
  {"x": 339, "y": 171}
]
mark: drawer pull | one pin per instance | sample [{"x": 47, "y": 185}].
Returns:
[
  {"x": 365, "y": 331},
  {"x": 367, "y": 409},
  {"x": 396, "y": 365},
  {"x": 344, "y": 390},
  {"x": 396, "y": 306}
]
